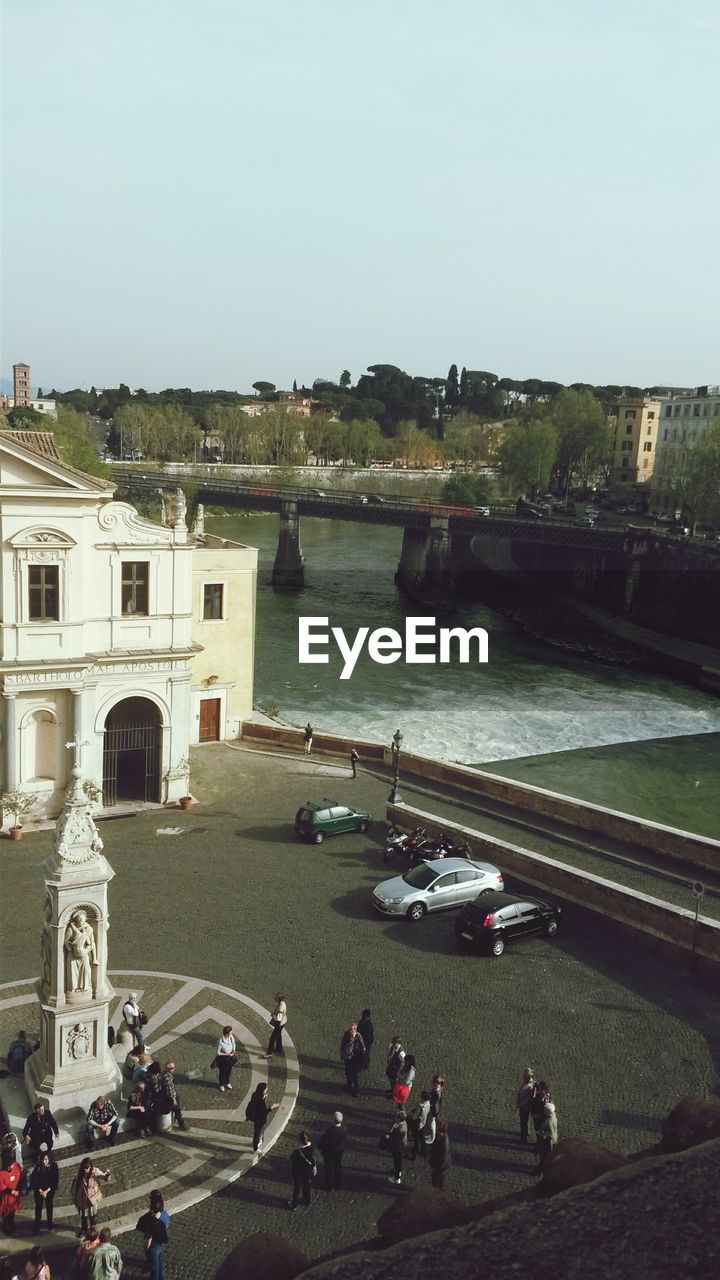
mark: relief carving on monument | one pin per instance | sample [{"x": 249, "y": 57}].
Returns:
[{"x": 77, "y": 1041}]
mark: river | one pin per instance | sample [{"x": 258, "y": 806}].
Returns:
[{"x": 546, "y": 713}]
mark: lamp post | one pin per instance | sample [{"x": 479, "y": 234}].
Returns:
[{"x": 395, "y": 797}]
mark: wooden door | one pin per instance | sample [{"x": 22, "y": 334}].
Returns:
[{"x": 210, "y": 720}]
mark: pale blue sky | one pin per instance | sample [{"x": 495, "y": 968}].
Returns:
[{"x": 207, "y": 192}]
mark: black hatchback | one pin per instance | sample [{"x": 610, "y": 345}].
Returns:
[{"x": 494, "y": 919}]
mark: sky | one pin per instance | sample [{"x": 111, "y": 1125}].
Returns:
[{"x": 208, "y": 194}]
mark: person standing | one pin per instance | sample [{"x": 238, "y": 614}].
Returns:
[
  {"x": 133, "y": 1015},
  {"x": 257, "y": 1112},
  {"x": 170, "y": 1099},
  {"x": 523, "y": 1101},
  {"x": 277, "y": 1022},
  {"x": 541, "y": 1095},
  {"x": 367, "y": 1031},
  {"x": 10, "y": 1198},
  {"x": 102, "y": 1122},
  {"x": 397, "y": 1142},
  {"x": 354, "y": 757},
  {"x": 18, "y": 1053},
  {"x": 437, "y": 1088},
  {"x": 395, "y": 1059},
  {"x": 308, "y": 737},
  {"x": 43, "y": 1184},
  {"x": 352, "y": 1056},
  {"x": 154, "y": 1228},
  {"x": 421, "y": 1122},
  {"x": 86, "y": 1193},
  {"x": 40, "y": 1127},
  {"x": 440, "y": 1156},
  {"x": 36, "y": 1268},
  {"x": 548, "y": 1135},
  {"x": 226, "y": 1057},
  {"x": 105, "y": 1261},
  {"x": 332, "y": 1148},
  {"x": 405, "y": 1080},
  {"x": 304, "y": 1168}
]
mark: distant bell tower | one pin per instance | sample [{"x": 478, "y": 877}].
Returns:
[{"x": 21, "y": 384}]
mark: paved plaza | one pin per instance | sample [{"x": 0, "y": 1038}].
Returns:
[{"x": 224, "y": 894}]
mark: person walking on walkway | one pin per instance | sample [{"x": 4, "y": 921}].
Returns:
[
  {"x": 257, "y": 1112},
  {"x": 304, "y": 1168},
  {"x": 43, "y": 1184},
  {"x": 397, "y": 1142},
  {"x": 523, "y": 1100},
  {"x": 277, "y": 1022},
  {"x": 354, "y": 757},
  {"x": 367, "y": 1031},
  {"x": 226, "y": 1057},
  {"x": 40, "y": 1127},
  {"x": 308, "y": 737},
  {"x": 352, "y": 1056},
  {"x": 104, "y": 1262},
  {"x": 154, "y": 1228},
  {"x": 86, "y": 1193},
  {"x": 10, "y": 1198},
  {"x": 395, "y": 1059},
  {"x": 332, "y": 1148},
  {"x": 440, "y": 1156}
]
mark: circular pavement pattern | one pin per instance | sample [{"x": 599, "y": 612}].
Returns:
[{"x": 185, "y": 1017}]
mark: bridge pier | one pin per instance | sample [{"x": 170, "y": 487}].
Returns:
[
  {"x": 425, "y": 569},
  {"x": 288, "y": 569}
]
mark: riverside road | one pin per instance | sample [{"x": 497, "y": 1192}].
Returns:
[{"x": 226, "y": 892}]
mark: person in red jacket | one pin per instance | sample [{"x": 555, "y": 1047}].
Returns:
[{"x": 10, "y": 1198}]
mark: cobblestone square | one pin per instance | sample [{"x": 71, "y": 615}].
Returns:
[{"x": 228, "y": 895}]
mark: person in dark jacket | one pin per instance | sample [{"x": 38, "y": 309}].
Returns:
[
  {"x": 440, "y": 1156},
  {"x": 304, "y": 1167},
  {"x": 43, "y": 1184},
  {"x": 397, "y": 1142},
  {"x": 352, "y": 1056},
  {"x": 541, "y": 1095},
  {"x": 257, "y": 1111},
  {"x": 332, "y": 1148},
  {"x": 367, "y": 1031},
  {"x": 40, "y": 1127}
]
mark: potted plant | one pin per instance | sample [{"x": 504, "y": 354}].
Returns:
[
  {"x": 17, "y": 803},
  {"x": 184, "y": 768}
]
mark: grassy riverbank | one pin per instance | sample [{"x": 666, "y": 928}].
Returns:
[{"x": 674, "y": 780}]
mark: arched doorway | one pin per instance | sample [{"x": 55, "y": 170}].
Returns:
[{"x": 131, "y": 752}]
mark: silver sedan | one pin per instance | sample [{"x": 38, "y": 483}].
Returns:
[{"x": 436, "y": 886}]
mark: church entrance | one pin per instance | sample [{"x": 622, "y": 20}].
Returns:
[{"x": 131, "y": 752}]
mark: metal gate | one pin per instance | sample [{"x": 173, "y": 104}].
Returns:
[{"x": 143, "y": 740}]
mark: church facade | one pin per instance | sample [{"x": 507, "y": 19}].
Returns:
[{"x": 95, "y": 634}]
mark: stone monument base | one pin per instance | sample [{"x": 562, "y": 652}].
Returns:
[{"x": 66, "y": 1097}]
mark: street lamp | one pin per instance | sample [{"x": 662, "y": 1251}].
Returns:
[{"x": 395, "y": 797}]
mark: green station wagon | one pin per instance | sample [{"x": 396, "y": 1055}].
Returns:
[{"x": 316, "y": 821}]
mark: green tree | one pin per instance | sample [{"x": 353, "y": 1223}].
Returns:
[
  {"x": 466, "y": 489},
  {"x": 76, "y": 443},
  {"x": 345, "y": 380},
  {"x": 527, "y": 456},
  {"x": 452, "y": 388},
  {"x": 700, "y": 479},
  {"x": 584, "y": 436},
  {"x": 264, "y": 388}
]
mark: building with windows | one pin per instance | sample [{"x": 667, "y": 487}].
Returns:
[
  {"x": 684, "y": 420},
  {"x": 223, "y": 629},
  {"x": 634, "y": 445},
  {"x": 21, "y": 384},
  {"x": 96, "y": 633}
]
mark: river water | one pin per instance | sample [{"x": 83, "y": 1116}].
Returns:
[{"x": 528, "y": 701}]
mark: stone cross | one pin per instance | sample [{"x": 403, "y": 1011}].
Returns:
[{"x": 77, "y": 743}]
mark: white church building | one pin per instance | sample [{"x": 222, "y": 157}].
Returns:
[{"x": 96, "y": 634}]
